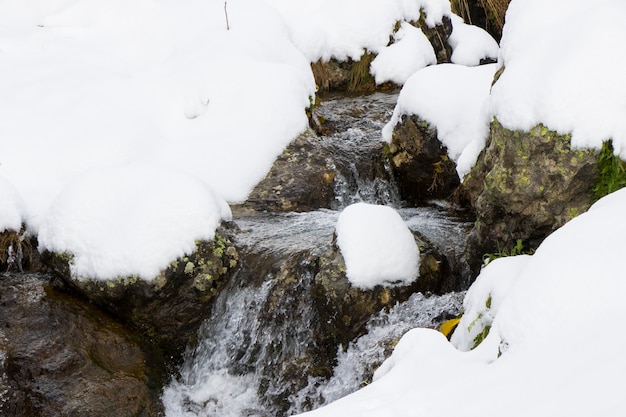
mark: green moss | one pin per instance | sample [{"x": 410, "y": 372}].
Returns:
[
  {"x": 517, "y": 249},
  {"x": 481, "y": 336},
  {"x": 611, "y": 172}
]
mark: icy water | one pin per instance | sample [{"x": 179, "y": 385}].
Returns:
[{"x": 255, "y": 354}]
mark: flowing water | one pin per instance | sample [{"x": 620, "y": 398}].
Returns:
[{"x": 258, "y": 354}]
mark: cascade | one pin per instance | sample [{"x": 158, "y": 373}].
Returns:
[{"x": 261, "y": 351}]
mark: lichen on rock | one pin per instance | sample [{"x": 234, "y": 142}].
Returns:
[
  {"x": 525, "y": 185},
  {"x": 169, "y": 308}
]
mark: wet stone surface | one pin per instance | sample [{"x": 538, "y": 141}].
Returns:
[{"x": 60, "y": 356}]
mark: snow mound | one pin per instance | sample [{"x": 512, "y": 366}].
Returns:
[
  {"x": 378, "y": 247},
  {"x": 564, "y": 67},
  {"x": 130, "y": 220},
  {"x": 412, "y": 51},
  {"x": 452, "y": 98},
  {"x": 470, "y": 44}
]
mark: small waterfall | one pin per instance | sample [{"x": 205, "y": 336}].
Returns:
[
  {"x": 259, "y": 353},
  {"x": 356, "y": 365},
  {"x": 356, "y": 149}
]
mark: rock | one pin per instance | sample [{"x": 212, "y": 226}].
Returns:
[
  {"x": 346, "y": 309},
  {"x": 60, "y": 356},
  {"x": 420, "y": 163},
  {"x": 315, "y": 172},
  {"x": 301, "y": 178},
  {"x": 524, "y": 186},
  {"x": 170, "y": 308},
  {"x": 438, "y": 37}
]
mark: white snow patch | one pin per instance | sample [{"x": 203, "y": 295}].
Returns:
[
  {"x": 470, "y": 44},
  {"x": 397, "y": 62},
  {"x": 11, "y": 207},
  {"x": 378, "y": 247},
  {"x": 452, "y": 98},
  {"x": 130, "y": 220}
]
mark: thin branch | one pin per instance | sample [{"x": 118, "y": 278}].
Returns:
[{"x": 226, "y": 14}]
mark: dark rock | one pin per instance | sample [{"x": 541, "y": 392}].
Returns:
[
  {"x": 438, "y": 37},
  {"x": 524, "y": 186},
  {"x": 346, "y": 309},
  {"x": 301, "y": 178},
  {"x": 60, "y": 356},
  {"x": 420, "y": 162},
  {"x": 170, "y": 308}
]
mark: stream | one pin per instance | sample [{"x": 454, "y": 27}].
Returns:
[{"x": 260, "y": 352}]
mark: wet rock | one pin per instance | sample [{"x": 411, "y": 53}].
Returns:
[
  {"x": 301, "y": 178},
  {"x": 170, "y": 308},
  {"x": 346, "y": 309},
  {"x": 438, "y": 36},
  {"x": 420, "y": 162},
  {"x": 315, "y": 172},
  {"x": 60, "y": 356},
  {"x": 524, "y": 186}
]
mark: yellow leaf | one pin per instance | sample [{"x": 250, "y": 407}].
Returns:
[{"x": 447, "y": 327}]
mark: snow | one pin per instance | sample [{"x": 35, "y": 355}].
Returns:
[
  {"x": 377, "y": 246},
  {"x": 470, "y": 43},
  {"x": 411, "y": 47},
  {"x": 564, "y": 68},
  {"x": 553, "y": 348},
  {"x": 172, "y": 210},
  {"x": 325, "y": 29},
  {"x": 453, "y": 99},
  {"x": 11, "y": 207}
]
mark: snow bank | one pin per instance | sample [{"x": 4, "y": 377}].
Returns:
[
  {"x": 378, "y": 247},
  {"x": 130, "y": 220},
  {"x": 553, "y": 348},
  {"x": 452, "y": 98},
  {"x": 564, "y": 67},
  {"x": 94, "y": 83}
]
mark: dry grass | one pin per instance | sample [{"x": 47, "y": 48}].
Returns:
[
  {"x": 360, "y": 77},
  {"x": 494, "y": 10},
  {"x": 15, "y": 249}
]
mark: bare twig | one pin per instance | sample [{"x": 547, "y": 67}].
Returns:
[{"x": 226, "y": 14}]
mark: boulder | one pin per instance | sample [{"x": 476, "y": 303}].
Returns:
[
  {"x": 170, "y": 308},
  {"x": 524, "y": 186},
  {"x": 60, "y": 356},
  {"x": 301, "y": 179},
  {"x": 420, "y": 162},
  {"x": 346, "y": 309}
]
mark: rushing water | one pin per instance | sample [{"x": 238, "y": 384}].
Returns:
[{"x": 256, "y": 355}]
